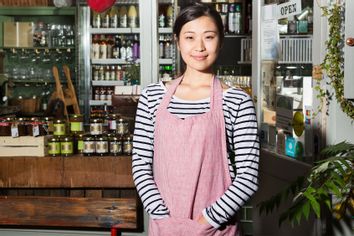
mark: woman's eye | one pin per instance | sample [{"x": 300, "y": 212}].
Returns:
[
  {"x": 189, "y": 37},
  {"x": 210, "y": 37}
]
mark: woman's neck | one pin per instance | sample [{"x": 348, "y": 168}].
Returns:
[{"x": 197, "y": 78}]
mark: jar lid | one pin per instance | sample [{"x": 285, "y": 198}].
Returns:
[
  {"x": 95, "y": 120},
  {"x": 59, "y": 121}
]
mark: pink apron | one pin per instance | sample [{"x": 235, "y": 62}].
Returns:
[{"x": 190, "y": 166}]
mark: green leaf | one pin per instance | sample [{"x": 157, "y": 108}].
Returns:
[{"x": 306, "y": 210}]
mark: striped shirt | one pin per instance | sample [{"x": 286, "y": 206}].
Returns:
[{"x": 242, "y": 148}]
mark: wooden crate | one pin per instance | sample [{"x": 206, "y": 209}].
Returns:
[{"x": 23, "y": 146}]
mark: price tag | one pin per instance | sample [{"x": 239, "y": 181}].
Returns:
[
  {"x": 35, "y": 130},
  {"x": 14, "y": 131}
]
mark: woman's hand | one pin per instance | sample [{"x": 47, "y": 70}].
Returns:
[{"x": 201, "y": 220}]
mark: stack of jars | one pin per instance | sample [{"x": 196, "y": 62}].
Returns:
[
  {"x": 19, "y": 126},
  {"x": 67, "y": 137},
  {"x": 108, "y": 136}
]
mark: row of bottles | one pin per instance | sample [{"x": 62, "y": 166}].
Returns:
[
  {"x": 126, "y": 47},
  {"x": 103, "y": 93},
  {"x": 166, "y": 47},
  {"x": 117, "y": 17},
  {"x": 53, "y": 35},
  {"x": 236, "y": 20},
  {"x": 165, "y": 16},
  {"x": 108, "y": 72}
]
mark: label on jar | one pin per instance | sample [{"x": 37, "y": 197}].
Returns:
[
  {"x": 53, "y": 148},
  {"x": 59, "y": 129},
  {"x": 80, "y": 145},
  {"x": 115, "y": 147},
  {"x": 96, "y": 128},
  {"x": 66, "y": 147},
  {"x": 89, "y": 147},
  {"x": 120, "y": 128},
  {"x": 35, "y": 130},
  {"x": 14, "y": 131},
  {"x": 101, "y": 147},
  {"x": 112, "y": 124},
  {"x": 77, "y": 126}
]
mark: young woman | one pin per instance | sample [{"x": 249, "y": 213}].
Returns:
[{"x": 196, "y": 148}]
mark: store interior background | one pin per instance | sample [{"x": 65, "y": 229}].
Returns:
[{"x": 275, "y": 174}]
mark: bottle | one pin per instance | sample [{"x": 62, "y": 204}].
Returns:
[
  {"x": 123, "y": 50},
  {"x": 161, "y": 46},
  {"x": 132, "y": 17},
  {"x": 103, "y": 47},
  {"x": 169, "y": 16},
  {"x": 95, "y": 47},
  {"x": 310, "y": 21},
  {"x": 96, "y": 20},
  {"x": 238, "y": 19},
  {"x": 110, "y": 45},
  {"x": 117, "y": 45},
  {"x": 113, "y": 17},
  {"x": 136, "y": 47},
  {"x": 123, "y": 17},
  {"x": 248, "y": 27},
  {"x": 107, "y": 73},
  {"x": 167, "y": 49},
  {"x": 162, "y": 19},
  {"x": 223, "y": 15},
  {"x": 232, "y": 19},
  {"x": 129, "y": 50}
]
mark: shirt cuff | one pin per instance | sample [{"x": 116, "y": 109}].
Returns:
[
  {"x": 210, "y": 221},
  {"x": 158, "y": 217}
]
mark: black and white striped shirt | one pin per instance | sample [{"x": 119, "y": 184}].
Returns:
[{"x": 242, "y": 148}]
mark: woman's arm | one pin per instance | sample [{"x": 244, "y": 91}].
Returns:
[
  {"x": 142, "y": 161},
  {"x": 246, "y": 150}
]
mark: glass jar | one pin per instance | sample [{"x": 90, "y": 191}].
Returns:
[
  {"x": 76, "y": 123},
  {"x": 66, "y": 146},
  {"x": 128, "y": 144},
  {"x": 59, "y": 127},
  {"x": 112, "y": 123},
  {"x": 122, "y": 127},
  {"x": 115, "y": 145},
  {"x": 96, "y": 127},
  {"x": 89, "y": 145},
  {"x": 49, "y": 124},
  {"x": 21, "y": 124},
  {"x": 54, "y": 146},
  {"x": 79, "y": 144},
  {"x": 101, "y": 145},
  {"x": 5, "y": 127}
]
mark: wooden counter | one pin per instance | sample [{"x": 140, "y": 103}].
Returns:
[{"x": 69, "y": 192}]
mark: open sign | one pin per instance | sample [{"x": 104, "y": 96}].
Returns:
[{"x": 290, "y": 8}]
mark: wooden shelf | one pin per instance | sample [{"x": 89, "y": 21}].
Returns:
[{"x": 66, "y": 172}]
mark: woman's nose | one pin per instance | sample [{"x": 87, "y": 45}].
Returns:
[{"x": 199, "y": 45}]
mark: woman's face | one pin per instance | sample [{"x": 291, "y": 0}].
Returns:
[{"x": 199, "y": 43}]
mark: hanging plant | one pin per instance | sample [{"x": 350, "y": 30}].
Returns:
[{"x": 333, "y": 63}]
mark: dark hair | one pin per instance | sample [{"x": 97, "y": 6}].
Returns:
[{"x": 194, "y": 11}]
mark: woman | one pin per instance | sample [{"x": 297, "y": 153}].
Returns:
[{"x": 196, "y": 148}]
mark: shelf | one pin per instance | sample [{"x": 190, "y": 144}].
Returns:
[
  {"x": 37, "y": 11},
  {"x": 165, "y": 61},
  {"x": 107, "y": 83},
  {"x": 32, "y": 81},
  {"x": 113, "y": 61},
  {"x": 114, "y": 30},
  {"x": 165, "y": 30},
  {"x": 40, "y": 48},
  {"x": 100, "y": 102}
]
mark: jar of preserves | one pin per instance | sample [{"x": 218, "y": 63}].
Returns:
[
  {"x": 128, "y": 144},
  {"x": 101, "y": 145},
  {"x": 5, "y": 127},
  {"x": 122, "y": 127},
  {"x": 54, "y": 146},
  {"x": 48, "y": 124},
  {"x": 115, "y": 145},
  {"x": 79, "y": 144},
  {"x": 36, "y": 127},
  {"x": 21, "y": 124},
  {"x": 59, "y": 127},
  {"x": 112, "y": 123},
  {"x": 96, "y": 127},
  {"x": 66, "y": 146},
  {"x": 76, "y": 123},
  {"x": 89, "y": 145}
]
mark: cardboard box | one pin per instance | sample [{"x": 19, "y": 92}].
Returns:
[
  {"x": 23, "y": 146},
  {"x": 18, "y": 34}
]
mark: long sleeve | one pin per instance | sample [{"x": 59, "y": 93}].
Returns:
[
  {"x": 245, "y": 145},
  {"x": 142, "y": 159}
]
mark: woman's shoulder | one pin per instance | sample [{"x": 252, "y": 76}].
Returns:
[
  {"x": 153, "y": 89},
  {"x": 235, "y": 93}
]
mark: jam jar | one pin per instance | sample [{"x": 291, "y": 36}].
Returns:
[
  {"x": 79, "y": 144},
  {"x": 89, "y": 145},
  {"x": 115, "y": 145},
  {"x": 128, "y": 144},
  {"x": 49, "y": 124},
  {"x": 54, "y": 146},
  {"x": 66, "y": 146},
  {"x": 5, "y": 127},
  {"x": 112, "y": 123},
  {"x": 59, "y": 127},
  {"x": 76, "y": 123},
  {"x": 101, "y": 145},
  {"x": 122, "y": 127},
  {"x": 96, "y": 127}
]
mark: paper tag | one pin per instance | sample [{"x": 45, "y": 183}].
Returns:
[
  {"x": 35, "y": 130},
  {"x": 14, "y": 131}
]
